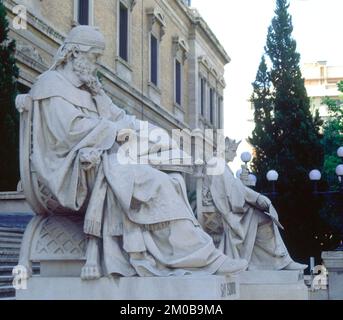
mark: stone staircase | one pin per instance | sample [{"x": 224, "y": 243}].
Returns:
[{"x": 10, "y": 242}]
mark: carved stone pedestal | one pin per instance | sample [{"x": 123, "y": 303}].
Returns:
[
  {"x": 273, "y": 285},
  {"x": 168, "y": 288},
  {"x": 249, "y": 285},
  {"x": 333, "y": 261}
]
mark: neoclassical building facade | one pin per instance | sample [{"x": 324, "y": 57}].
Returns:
[{"x": 162, "y": 62}]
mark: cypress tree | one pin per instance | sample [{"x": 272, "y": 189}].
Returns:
[
  {"x": 263, "y": 134},
  {"x": 9, "y": 118},
  {"x": 291, "y": 139}
]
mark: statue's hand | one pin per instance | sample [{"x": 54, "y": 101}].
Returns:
[
  {"x": 95, "y": 86},
  {"x": 263, "y": 202},
  {"x": 125, "y": 134}
]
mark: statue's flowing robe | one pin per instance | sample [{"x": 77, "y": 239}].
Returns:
[
  {"x": 248, "y": 233},
  {"x": 160, "y": 236}
]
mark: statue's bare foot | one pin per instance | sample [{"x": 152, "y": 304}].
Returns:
[
  {"x": 295, "y": 266},
  {"x": 233, "y": 266},
  {"x": 91, "y": 270}
]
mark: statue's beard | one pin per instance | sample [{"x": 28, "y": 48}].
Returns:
[{"x": 86, "y": 72}]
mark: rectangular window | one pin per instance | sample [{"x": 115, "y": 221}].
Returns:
[
  {"x": 154, "y": 60},
  {"x": 219, "y": 113},
  {"x": 123, "y": 32},
  {"x": 202, "y": 96},
  {"x": 178, "y": 82},
  {"x": 211, "y": 105},
  {"x": 83, "y": 12}
]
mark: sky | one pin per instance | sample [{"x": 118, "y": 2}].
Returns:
[{"x": 242, "y": 25}]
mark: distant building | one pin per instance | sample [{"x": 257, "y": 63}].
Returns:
[{"x": 321, "y": 81}]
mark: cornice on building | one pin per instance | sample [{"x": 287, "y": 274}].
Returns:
[
  {"x": 199, "y": 21},
  {"x": 40, "y": 66}
]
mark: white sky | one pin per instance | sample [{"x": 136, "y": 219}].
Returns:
[{"x": 241, "y": 26}]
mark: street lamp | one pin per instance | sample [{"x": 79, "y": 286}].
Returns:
[
  {"x": 340, "y": 152},
  {"x": 339, "y": 172},
  {"x": 315, "y": 176},
  {"x": 244, "y": 174},
  {"x": 273, "y": 176},
  {"x": 246, "y": 157}
]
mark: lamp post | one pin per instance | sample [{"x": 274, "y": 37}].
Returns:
[
  {"x": 315, "y": 176},
  {"x": 273, "y": 176},
  {"x": 244, "y": 174}
]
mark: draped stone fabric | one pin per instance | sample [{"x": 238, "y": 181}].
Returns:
[
  {"x": 142, "y": 214},
  {"x": 248, "y": 232}
]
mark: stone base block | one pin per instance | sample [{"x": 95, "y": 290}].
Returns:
[
  {"x": 168, "y": 288},
  {"x": 333, "y": 261},
  {"x": 249, "y": 285},
  {"x": 273, "y": 285}
]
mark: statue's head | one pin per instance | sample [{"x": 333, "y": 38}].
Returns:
[
  {"x": 80, "y": 53},
  {"x": 231, "y": 147}
]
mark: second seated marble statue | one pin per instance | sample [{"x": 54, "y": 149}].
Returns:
[
  {"x": 141, "y": 214},
  {"x": 251, "y": 226}
]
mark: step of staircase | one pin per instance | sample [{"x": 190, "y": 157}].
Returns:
[
  {"x": 6, "y": 280},
  {"x": 10, "y": 240},
  {"x": 12, "y": 230},
  {"x": 10, "y": 246},
  {"x": 8, "y": 261},
  {"x": 7, "y": 292},
  {"x": 8, "y": 299},
  {"x": 15, "y": 235},
  {"x": 9, "y": 253},
  {"x": 7, "y": 270},
  {"x": 11, "y": 237}
]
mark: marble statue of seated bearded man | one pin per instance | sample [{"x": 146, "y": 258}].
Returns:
[
  {"x": 141, "y": 214},
  {"x": 250, "y": 221}
]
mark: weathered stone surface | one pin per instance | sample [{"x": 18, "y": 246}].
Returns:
[
  {"x": 273, "y": 285},
  {"x": 170, "y": 288},
  {"x": 333, "y": 261}
]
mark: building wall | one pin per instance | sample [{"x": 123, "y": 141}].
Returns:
[
  {"x": 321, "y": 81},
  {"x": 49, "y": 21}
]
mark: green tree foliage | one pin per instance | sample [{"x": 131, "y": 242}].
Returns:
[
  {"x": 333, "y": 134},
  {"x": 263, "y": 135},
  {"x": 332, "y": 140},
  {"x": 287, "y": 136},
  {"x": 9, "y": 119}
]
